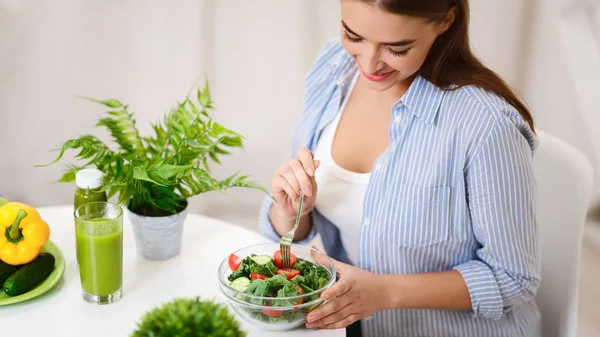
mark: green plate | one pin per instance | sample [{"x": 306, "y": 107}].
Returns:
[{"x": 49, "y": 283}]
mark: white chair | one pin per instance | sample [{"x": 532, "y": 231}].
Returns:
[{"x": 564, "y": 177}]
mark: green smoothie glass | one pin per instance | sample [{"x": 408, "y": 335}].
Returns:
[{"x": 99, "y": 233}]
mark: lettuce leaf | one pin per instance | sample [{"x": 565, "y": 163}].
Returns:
[
  {"x": 243, "y": 270},
  {"x": 267, "y": 270}
]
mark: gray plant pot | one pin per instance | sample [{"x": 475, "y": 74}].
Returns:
[{"x": 157, "y": 238}]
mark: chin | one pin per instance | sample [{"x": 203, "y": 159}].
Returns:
[{"x": 381, "y": 86}]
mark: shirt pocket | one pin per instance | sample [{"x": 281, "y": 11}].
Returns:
[{"x": 422, "y": 215}]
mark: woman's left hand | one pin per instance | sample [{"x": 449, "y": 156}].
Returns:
[{"x": 357, "y": 294}]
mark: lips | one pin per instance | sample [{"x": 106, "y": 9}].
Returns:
[{"x": 378, "y": 77}]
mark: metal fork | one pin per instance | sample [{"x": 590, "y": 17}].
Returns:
[{"x": 288, "y": 238}]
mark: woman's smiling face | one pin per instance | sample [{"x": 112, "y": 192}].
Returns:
[{"x": 388, "y": 48}]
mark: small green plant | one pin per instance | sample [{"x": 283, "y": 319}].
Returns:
[
  {"x": 187, "y": 318},
  {"x": 155, "y": 175}
]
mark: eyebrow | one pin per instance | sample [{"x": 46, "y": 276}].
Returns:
[{"x": 393, "y": 44}]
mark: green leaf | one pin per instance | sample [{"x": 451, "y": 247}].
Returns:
[
  {"x": 213, "y": 156},
  {"x": 223, "y": 131},
  {"x": 304, "y": 266},
  {"x": 113, "y": 184},
  {"x": 192, "y": 107},
  {"x": 267, "y": 270},
  {"x": 289, "y": 290},
  {"x": 141, "y": 174},
  {"x": 279, "y": 280},
  {"x": 243, "y": 270},
  {"x": 111, "y": 103},
  {"x": 197, "y": 143},
  {"x": 232, "y": 141},
  {"x": 168, "y": 171},
  {"x": 205, "y": 164},
  {"x": 322, "y": 272},
  {"x": 306, "y": 289},
  {"x": 260, "y": 288},
  {"x": 119, "y": 163},
  {"x": 204, "y": 96},
  {"x": 322, "y": 282},
  {"x": 221, "y": 151},
  {"x": 90, "y": 148},
  {"x": 298, "y": 279},
  {"x": 67, "y": 177},
  {"x": 240, "y": 182},
  {"x": 178, "y": 127},
  {"x": 124, "y": 132}
]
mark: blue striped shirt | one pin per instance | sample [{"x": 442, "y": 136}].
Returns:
[{"x": 453, "y": 190}]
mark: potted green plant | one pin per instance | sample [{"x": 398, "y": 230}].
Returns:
[
  {"x": 154, "y": 176},
  {"x": 189, "y": 317}
]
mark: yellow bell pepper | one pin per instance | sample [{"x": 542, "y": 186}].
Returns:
[{"x": 23, "y": 233}]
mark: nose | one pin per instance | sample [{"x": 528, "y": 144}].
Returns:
[{"x": 370, "y": 60}]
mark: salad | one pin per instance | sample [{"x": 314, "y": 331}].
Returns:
[{"x": 263, "y": 276}]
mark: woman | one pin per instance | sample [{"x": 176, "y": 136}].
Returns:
[{"x": 416, "y": 165}]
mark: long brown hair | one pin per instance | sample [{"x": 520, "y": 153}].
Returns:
[{"x": 450, "y": 61}]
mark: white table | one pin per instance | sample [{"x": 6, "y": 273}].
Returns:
[{"x": 146, "y": 284}]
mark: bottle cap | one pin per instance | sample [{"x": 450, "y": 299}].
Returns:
[{"x": 88, "y": 178}]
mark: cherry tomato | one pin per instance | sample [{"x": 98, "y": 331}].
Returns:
[
  {"x": 300, "y": 292},
  {"x": 234, "y": 262},
  {"x": 289, "y": 273},
  {"x": 257, "y": 276},
  {"x": 272, "y": 313},
  {"x": 279, "y": 263}
]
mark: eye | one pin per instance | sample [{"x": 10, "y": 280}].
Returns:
[
  {"x": 399, "y": 53},
  {"x": 350, "y": 39}
]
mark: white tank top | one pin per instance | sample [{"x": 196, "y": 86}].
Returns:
[{"x": 340, "y": 191}]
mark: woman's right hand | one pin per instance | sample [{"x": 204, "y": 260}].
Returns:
[{"x": 291, "y": 177}]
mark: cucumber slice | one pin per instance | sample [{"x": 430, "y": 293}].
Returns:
[
  {"x": 262, "y": 259},
  {"x": 240, "y": 283}
]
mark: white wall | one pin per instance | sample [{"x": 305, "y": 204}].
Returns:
[
  {"x": 499, "y": 41},
  {"x": 146, "y": 53},
  {"x": 561, "y": 76},
  {"x": 149, "y": 54}
]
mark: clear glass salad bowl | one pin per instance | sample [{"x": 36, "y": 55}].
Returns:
[{"x": 280, "y": 312}]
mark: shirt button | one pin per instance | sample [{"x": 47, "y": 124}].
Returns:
[
  {"x": 367, "y": 221},
  {"x": 378, "y": 166},
  {"x": 397, "y": 119}
]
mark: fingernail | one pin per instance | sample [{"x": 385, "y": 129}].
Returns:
[
  {"x": 310, "y": 325},
  {"x": 310, "y": 171},
  {"x": 309, "y": 319}
]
